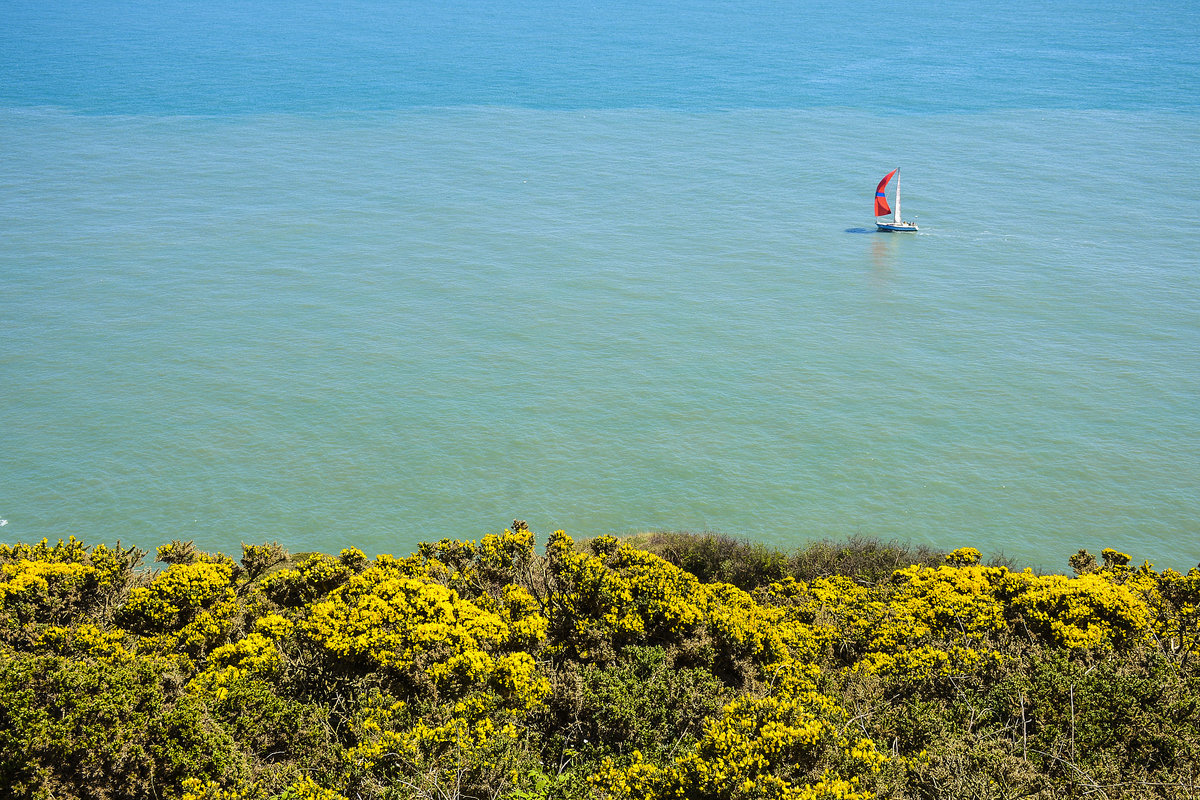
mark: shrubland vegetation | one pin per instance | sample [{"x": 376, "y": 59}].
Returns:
[{"x": 676, "y": 667}]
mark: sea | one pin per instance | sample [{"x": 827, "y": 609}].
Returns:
[{"x": 374, "y": 273}]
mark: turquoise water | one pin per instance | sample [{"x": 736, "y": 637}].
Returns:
[{"x": 407, "y": 271}]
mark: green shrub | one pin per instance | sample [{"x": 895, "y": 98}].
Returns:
[
  {"x": 482, "y": 669},
  {"x": 860, "y": 558},
  {"x": 644, "y": 702},
  {"x": 714, "y": 557},
  {"x": 90, "y": 729}
]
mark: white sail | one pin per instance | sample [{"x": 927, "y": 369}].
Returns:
[{"x": 897, "y": 215}]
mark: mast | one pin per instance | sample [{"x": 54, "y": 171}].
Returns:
[{"x": 897, "y": 217}]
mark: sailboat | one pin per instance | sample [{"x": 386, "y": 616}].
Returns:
[{"x": 882, "y": 208}]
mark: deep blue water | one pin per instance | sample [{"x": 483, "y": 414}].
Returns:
[{"x": 276, "y": 56}]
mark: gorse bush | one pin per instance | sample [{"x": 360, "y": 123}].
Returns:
[
  {"x": 683, "y": 667},
  {"x": 714, "y": 557}
]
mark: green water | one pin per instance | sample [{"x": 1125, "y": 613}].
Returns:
[{"x": 388, "y": 328}]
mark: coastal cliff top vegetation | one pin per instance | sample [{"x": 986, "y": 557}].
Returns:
[{"x": 665, "y": 666}]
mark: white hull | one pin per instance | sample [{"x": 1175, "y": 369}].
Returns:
[{"x": 896, "y": 226}]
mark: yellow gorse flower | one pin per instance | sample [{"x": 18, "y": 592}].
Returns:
[{"x": 459, "y": 644}]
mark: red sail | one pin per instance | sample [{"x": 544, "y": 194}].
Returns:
[{"x": 881, "y": 203}]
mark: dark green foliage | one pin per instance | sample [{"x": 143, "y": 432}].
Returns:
[
  {"x": 748, "y": 565},
  {"x": 178, "y": 552},
  {"x": 1048, "y": 725},
  {"x": 1083, "y": 562},
  {"x": 78, "y": 728},
  {"x": 275, "y": 732},
  {"x": 642, "y": 702},
  {"x": 715, "y": 557},
  {"x": 865, "y": 559},
  {"x": 258, "y": 559},
  {"x": 1135, "y": 713}
]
